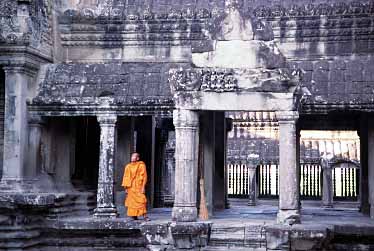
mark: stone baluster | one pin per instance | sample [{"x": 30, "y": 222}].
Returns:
[
  {"x": 252, "y": 186},
  {"x": 327, "y": 188},
  {"x": 105, "y": 189},
  {"x": 289, "y": 192},
  {"x": 186, "y": 164}
]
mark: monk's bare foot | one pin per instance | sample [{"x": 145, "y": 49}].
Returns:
[{"x": 146, "y": 218}]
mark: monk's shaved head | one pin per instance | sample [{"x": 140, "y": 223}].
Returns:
[{"x": 135, "y": 157}]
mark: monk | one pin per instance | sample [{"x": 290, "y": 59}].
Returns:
[{"x": 134, "y": 181}]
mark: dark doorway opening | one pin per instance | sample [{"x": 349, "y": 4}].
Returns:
[{"x": 87, "y": 153}]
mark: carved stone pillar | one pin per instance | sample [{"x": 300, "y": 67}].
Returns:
[
  {"x": 370, "y": 151},
  {"x": 252, "y": 186},
  {"x": 105, "y": 188},
  {"x": 327, "y": 188},
  {"x": 289, "y": 212},
  {"x": 186, "y": 163},
  {"x": 15, "y": 126},
  {"x": 36, "y": 124}
]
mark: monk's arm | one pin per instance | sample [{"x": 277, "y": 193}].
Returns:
[
  {"x": 126, "y": 179},
  {"x": 143, "y": 173}
]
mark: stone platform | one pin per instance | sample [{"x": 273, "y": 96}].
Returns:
[
  {"x": 241, "y": 227},
  {"x": 238, "y": 228}
]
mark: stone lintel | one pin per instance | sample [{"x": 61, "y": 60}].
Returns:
[{"x": 235, "y": 101}]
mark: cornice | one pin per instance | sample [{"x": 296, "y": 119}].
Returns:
[{"x": 115, "y": 27}]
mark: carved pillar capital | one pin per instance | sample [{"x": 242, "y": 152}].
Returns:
[
  {"x": 185, "y": 118},
  {"x": 36, "y": 120},
  {"x": 109, "y": 120},
  {"x": 287, "y": 116},
  {"x": 20, "y": 68}
]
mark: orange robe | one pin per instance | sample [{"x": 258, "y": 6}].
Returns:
[{"x": 134, "y": 180}]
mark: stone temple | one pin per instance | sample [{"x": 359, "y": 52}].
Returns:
[{"x": 259, "y": 112}]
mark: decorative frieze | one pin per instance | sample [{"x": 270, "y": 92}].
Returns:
[
  {"x": 216, "y": 80},
  {"x": 26, "y": 22},
  {"x": 121, "y": 12},
  {"x": 229, "y": 80},
  {"x": 117, "y": 25}
]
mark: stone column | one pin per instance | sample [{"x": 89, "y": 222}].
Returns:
[
  {"x": 252, "y": 186},
  {"x": 186, "y": 162},
  {"x": 364, "y": 161},
  {"x": 207, "y": 140},
  {"x": 36, "y": 124},
  {"x": 15, "y": 126},
  {"x": 105, "y": 188},
  {"x": 229, "y": 127},
  {"x": 289, "y": 212},
  {"x": 327, "y": 188},
  {"x": 371, "y": 165}
]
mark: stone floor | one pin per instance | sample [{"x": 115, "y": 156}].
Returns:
[
  {"x": 266, "y": 211},
  {"x": 240, "y": 227}
]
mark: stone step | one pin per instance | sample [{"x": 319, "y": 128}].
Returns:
[
  {"x": 78, "y": 204},
  {"x": 231, "y": 248}
]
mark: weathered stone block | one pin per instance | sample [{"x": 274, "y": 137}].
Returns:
[
  {"x": 190, "y": 235},
  {"x": 338, "y": 64},
  {"x": 354, "y": 87},
  {"x": 322, "y": 65},
  {"x": 369, "y": 70},
  {"x": 320, "y": 88},
  {"x": 337, "y": 88},
  {"x": 299, "y": 237},
  {"x": 306, "y": 65},
  {"x": 320, "y": 75},
  {"x": 307, "y": 77},
  {"x": 277, "y": 238},
  {"x": 354, "y": 71},
  {"x": 157, "y": 234},
  {"x": 337, "y": 75}
]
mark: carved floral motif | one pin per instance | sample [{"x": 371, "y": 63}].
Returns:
[
  {"x": 216, "y": 80},
  {"x": 33, "y": 27}
]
